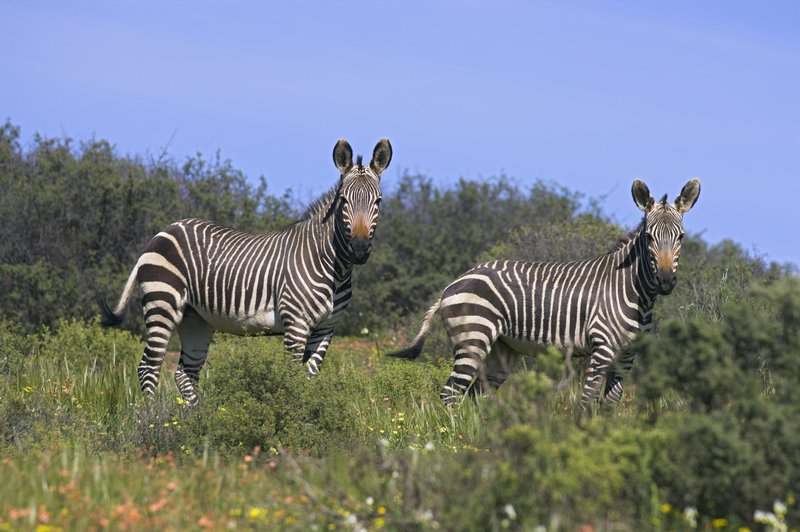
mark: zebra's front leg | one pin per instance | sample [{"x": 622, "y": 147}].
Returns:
[
  {"x": 315, "y": 350},
  {"x": 601, "y": 359},
  {"x": 295, "y": 338},
  {"x": 195, "y": 336},
  {"x": 613, "y": 390}
]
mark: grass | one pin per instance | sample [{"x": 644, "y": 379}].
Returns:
[{"x": 365, "y": 446}]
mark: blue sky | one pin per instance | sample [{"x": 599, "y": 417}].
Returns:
[{"x": 586, "y": 94}]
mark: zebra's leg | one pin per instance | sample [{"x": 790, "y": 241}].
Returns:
[
  {"x": 469, "y": 360},
  {"x": 315, "y": 350},
  {"x": 499, "y": 364},
  {"x": 472, "y": 340},
  {"x": 195, "y": 336},
  {"x": 600, "y": 361},
  {"x": 160, "y": 319},
  {"x": 613, "y": 390},
  {"x": 295, "y": 338}
]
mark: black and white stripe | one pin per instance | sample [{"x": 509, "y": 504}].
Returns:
[
  {"x": 198, "y": 276},
  {"x": 501, "y": 310}
]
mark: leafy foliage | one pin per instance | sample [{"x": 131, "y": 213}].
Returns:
[
  {"x": 73, "y": 220},
  {"x": 427, "y": 236}
]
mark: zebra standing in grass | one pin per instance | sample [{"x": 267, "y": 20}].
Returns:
[
  {"x": 198, "y": 276},
  {"x": 501, "y": 310}
]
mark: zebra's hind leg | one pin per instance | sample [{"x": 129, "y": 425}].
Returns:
[
  {"x": 469, "y": 360},
  {"x": 160, "y": 321},
  {"x": 195, "y": 336},
  {"x": 471, "y": 340}
]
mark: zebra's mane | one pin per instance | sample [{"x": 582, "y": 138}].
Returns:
[
  {"x": 622, "y": 242},
  {"x": 320, "y": 207}
]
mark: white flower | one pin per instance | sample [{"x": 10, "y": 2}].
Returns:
[
  {"x": 510, "y": 511},
  {"x": 690, "y": 516},
  {"x": 370, "y": 501}
]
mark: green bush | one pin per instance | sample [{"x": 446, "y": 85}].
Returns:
[
  {"x": 81, "y": 345},
  {"x": 740, "y": 436},
  {"x": 12, "y": 350},
  {"x": 256, "y": 396},
  {"x": 399, "y": 383},
  {"x": 580, "y": 237}
]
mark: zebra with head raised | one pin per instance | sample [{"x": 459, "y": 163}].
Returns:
[
  {"x": 198, "y": 276},
  {"x": 500, "y": 310}
]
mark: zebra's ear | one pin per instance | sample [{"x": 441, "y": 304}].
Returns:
[
  {"x": 343, "y": 156},
  {"x": 381, "y": 157},
  {"x": 688, "y": 196},
  {"x": 641, "y": 195}
]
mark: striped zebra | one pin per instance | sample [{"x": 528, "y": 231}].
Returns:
[
  {"x": 198, "y": 276},
  {"x": 501, "y": 310}
]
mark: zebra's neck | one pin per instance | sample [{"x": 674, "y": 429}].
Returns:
[
  {"x": 632, "y": 256},
  {"x": 322, "y": 223}
]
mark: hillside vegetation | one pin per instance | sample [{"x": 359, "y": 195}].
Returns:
[{"x": 707, "y": 436}]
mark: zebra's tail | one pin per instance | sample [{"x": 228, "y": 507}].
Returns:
[
  {"x": 113, "y": 318},
  {"x": 415, "y": 349}
]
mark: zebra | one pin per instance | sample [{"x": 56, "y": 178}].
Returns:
[
  {"x": 198, "y": 277},
  {"x": 499, "y": 311}
]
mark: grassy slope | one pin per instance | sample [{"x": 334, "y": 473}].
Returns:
[{"x": 81, "y": 449}]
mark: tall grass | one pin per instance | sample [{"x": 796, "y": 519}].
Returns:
[{"x": 366, "y": 445}]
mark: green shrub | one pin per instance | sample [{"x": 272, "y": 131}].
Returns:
[
  {"x": 84, "y": 344},
  {"x": 257, "y": 396},
  {"x": 399, "y": 383},
  {"x": 739, "y": 441},
  {"x": 12, "y": 350}
]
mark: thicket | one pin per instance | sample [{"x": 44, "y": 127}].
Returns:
[{"x": 74, "y": 218}]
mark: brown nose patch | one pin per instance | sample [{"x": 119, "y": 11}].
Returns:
[
  {"x": 361, "y": 229},
  {"x": 665, "y": 260}
]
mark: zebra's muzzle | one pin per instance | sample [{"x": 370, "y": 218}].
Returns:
[
  {"x": 361, "y": 248},
  {"x": 666, "y": 283}
]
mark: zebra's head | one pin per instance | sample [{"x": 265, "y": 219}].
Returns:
[
  {"x": 359, "y": 196},
  {"x": 662, "y": 228}
]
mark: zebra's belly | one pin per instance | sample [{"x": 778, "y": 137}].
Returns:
[{"x": 267, "y": 321}]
